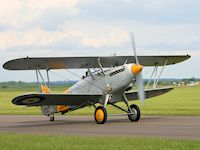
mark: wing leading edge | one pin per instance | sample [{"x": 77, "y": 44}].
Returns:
[{"x": 88, "y": 62}]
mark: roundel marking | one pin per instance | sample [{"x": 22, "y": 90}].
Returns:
[{"x": 31, "y": 100}]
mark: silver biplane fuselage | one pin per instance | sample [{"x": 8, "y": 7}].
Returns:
[{"x": 113, "y": 81}]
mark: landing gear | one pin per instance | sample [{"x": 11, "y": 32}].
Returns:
[
  {"x": 51, "y": 118},
  {"x": 135, "y": 110},
  {"x": 100, "y": 115}
]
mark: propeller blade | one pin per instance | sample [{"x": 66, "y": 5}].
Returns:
[
  {"x": 138, "y": 76},
  {"x": 140, "y": 87},
  {"x": 134, "y": 49}
]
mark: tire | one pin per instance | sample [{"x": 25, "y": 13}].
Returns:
[
  {"x": 100, "y": 115},
  {"x": 136, "y": 116},
  {"x": 52, "y": 118}
]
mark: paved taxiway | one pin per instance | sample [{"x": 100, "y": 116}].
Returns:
[{"x": 184, "y": 127}]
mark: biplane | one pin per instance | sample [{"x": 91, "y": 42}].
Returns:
[{"x": 108, "y": 80}]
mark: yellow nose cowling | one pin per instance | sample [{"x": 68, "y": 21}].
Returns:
[{"x": 136, "y": 69}]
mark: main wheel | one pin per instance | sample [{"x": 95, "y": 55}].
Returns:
[
  {"x": 100, "y": 115},
  {"x": 52, "y": 118},
  {"x": 136, "y": 113}
]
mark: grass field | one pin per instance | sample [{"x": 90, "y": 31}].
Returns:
[
  {"x": 32, "y": 142},
  {"x": 180, "y": 101}
]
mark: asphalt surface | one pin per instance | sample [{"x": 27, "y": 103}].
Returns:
[{"x": 181, "y": 127}]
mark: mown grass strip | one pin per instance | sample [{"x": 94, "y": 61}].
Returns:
[{"x": 51, "y": 142}]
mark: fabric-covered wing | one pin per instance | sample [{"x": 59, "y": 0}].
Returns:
[
  {"x": 149, "y": 93},
  {"x": 54, "y": 99},
  {"x": 88, "y": 62}
]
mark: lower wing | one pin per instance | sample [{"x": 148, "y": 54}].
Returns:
[
  {"x": 75, "y": 99},
  {"x": 149, "y": 93},
  {"x": 55, "y": 99}
]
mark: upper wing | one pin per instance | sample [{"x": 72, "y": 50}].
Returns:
[
  {"x": 149, "y": 93},
  {"x": 88, "y": 62},
  {"x": 54, "y": 99}
]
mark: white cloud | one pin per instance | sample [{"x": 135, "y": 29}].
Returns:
[
  {"x": 36, "y": 36},
  {"x": 149, "y": 4},
  {"x": 145, "y": 5},
  {"x": 115, "y": 37},
  {"x": 70, "y": 6},
  {"x": 17, "y": 13}
]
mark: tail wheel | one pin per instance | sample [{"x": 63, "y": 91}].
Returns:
[
  {"x": 52, "y": 118},
  {"x": 100, "y": 115},
  {"x": 136, "y": 113}
]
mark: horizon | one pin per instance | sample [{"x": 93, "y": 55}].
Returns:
[{"x": 146, "y": 79}]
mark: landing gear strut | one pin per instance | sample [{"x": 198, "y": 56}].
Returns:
[
  {"x": 100, "y": 115},
  {"x": 133, "y": 110}
]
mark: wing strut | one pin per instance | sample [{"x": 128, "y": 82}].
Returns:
[
  {"x": 154, "y": 73},
  {"x": 38, "y": 74},
  {"x": 91, "y": 74},
  {"x": 47, "y": 71},
  {"x": 99, "y": 62},
  {"x": 156, "y": 83},
  {"x": 38, "y": 83}
]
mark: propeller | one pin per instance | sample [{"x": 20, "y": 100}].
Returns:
[{"x": 138, "y": 75}]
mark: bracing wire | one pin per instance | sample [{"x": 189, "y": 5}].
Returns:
[{"x": 91, "y": 83}]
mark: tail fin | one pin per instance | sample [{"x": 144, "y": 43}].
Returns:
[
  {"x": 44, "y": 89},
  {"x": 54, "y": 109},
  {"x": 66, "y": 91}
]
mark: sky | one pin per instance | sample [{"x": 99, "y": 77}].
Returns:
[{"x": 99, "y": 28}]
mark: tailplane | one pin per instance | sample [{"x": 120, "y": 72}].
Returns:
[{"x": 50, "y": 110}]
